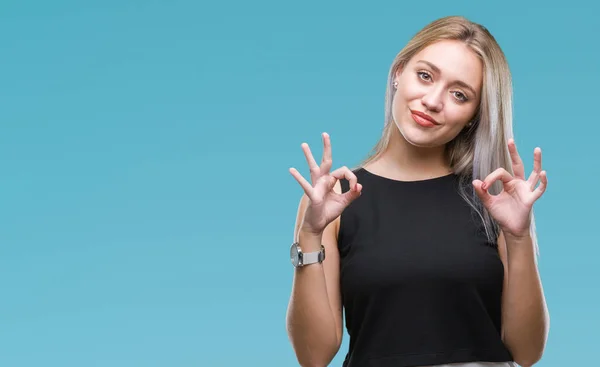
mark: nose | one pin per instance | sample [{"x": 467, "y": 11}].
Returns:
[{"x": 432, "y": 100}]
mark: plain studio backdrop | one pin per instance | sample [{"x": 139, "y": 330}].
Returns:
[{"x": 146, "y": 206}]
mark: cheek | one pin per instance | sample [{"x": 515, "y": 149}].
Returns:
[
  {"x": 403, "y": 97},
  {"x": 409, "y": 90},
  {"x": 398, "y": 103},
  {"x": 459, "y": 115}
]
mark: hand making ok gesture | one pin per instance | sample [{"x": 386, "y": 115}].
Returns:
[
  {"x": 324, "y": 203},
  {"x": 512, "y": 207}
]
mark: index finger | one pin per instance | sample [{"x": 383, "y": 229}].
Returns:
[{"x": 499, "y": 174}]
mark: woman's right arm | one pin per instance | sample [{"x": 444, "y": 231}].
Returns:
[{"x": 314, "y": 316}]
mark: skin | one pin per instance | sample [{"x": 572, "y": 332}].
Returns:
[{"x": 444, "y": 80}]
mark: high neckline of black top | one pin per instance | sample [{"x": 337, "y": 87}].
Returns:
[{"x": 409, "y": 182}]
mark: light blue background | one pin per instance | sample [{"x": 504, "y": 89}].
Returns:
[{"x": 146, "y": 208}]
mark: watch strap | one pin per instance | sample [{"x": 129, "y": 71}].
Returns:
[{"x": 313, "y": 257}]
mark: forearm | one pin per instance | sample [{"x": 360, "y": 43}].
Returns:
[
  {"x": 310, "y": 320},
  {"x": 525, "y": 313}
]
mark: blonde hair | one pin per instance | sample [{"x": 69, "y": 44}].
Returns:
[{"x": 481, "y": 148}]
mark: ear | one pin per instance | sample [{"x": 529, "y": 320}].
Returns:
[
  {"x": 396, "y": 78},
  {"x": 398, "y": 72}
]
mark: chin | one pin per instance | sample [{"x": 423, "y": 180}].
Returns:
[{"x": 417, "y": 137}]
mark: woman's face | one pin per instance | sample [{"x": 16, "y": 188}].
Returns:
[{"x": 441, "y": 83}]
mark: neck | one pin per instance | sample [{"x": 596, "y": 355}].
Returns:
[{"x": 406, "y": 161}]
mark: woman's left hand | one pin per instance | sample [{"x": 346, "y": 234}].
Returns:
[{"x": 511, "y": 208}]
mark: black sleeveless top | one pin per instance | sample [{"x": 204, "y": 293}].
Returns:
[{"x": 420, "y": 283}]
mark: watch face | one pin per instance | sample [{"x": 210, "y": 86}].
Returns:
[{"x": 294, "y": 254}]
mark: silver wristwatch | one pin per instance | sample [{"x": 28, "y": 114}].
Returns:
[{"x": 300, "y": 258}]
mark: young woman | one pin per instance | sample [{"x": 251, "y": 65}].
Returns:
[{"x": 429, "y": 246}]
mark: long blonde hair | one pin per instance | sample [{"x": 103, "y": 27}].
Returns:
[{"x": 481, "y": 148}]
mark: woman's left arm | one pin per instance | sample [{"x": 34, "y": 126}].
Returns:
[
  {"x": 524, "y": 312},
  {"x": 525, "y": 315}
]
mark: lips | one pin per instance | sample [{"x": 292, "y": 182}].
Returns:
[{"x": 423, "y": 118}]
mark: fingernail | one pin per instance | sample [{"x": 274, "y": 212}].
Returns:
[{"x": 483, "y": 186}]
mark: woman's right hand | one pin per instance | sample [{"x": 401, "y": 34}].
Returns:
[{"x": 324, "y": 203}]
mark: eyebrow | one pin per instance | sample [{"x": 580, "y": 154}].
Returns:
[{"x": 457, "y": 82}]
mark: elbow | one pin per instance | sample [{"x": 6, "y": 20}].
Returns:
[
  {"x": 313, "y": 353},
  {"x": 312, "y": 363},
  {"x": 528, "y": 361},
  {"x": 315, "y": 358},
  {"x": 305, "y": 360},
  {"x": 529, "y": 357},
  {"x": 528, "y": 351}
]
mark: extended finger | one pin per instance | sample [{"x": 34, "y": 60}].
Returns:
[
  {"x": 326, "y": 161},
  {"x": 517, "y": 162},
  {"x": 312, "y": 164},
  {"x": 499, "y": 174},
  {"x": 306, "y": 186},
  {"x": 537, "y": 168}
]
